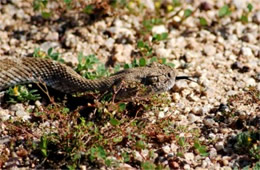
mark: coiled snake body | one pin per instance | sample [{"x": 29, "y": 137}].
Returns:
[{"x": 24, "y": 70}]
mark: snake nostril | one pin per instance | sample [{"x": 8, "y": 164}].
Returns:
[{"x": 169, "y": 74}]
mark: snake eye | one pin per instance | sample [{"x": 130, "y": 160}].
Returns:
[{"x": 169, "y": 75}]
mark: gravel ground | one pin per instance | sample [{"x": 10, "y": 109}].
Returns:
[{"x": 225, "y": 56}]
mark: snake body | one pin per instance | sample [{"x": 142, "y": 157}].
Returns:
[{"x": 14, "y": 71}]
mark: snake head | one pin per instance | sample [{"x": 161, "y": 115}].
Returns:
[{"x": 161, "y": 79}]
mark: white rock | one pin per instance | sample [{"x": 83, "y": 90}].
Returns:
[
  {"x": 209, "y": 122},
  {"x": 23, "y": 115},
  {"x": 4, "y": 114},
  {"x": 145, "y": 152},
  {"x": 258, "y": 87},
  {"x": 209, "y": 50},
  {"x": 240, "y": 4},
  {"x": 17, "y": 107},
  {"x": 189, "y": 156},
  {"x": 250, "y": 81},
  {"x": 48, "y": 44},
  {"x": 213, "y": 153},
  {"x": 52, "y": 36},
  {"x": 71, "y": 40},
  {"x": 166, "y": 149},
  {"x": 174, "y": 147},
  {"x": 219, "y": 146},
  {"x": 212, "y": 136},
  {"x": 159, "y": 29},
  {"x": 187, "y": 167},
  {"x": 247, "y": 52},
  {"x": 109, "y": 43},
  {"x": 161, "y": 115},
  {"x": 176, "y": 97},
  {"x": 192, "y": 118},
  {"x": 138, "y": 156},
  {"x": 163, "y": 53},
  {"x": 149, "y": 4},
  {"x": 123, "y": 53}
]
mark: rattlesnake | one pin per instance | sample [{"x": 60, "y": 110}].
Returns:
[{"x": 24, "y": 70}]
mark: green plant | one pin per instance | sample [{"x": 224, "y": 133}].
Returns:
[
  {"x": 145, "y": 49},
  {"x": 160, "y": 37},
  {"x": 86, "y": 63},
  {"x": 244, "y": 17},
  {"x": 201, "y": 149},
  {"x": 224, "y": 11},
  {"x": 203, "y": 22},
  {"x": 50, "y": 54},
  {"x": 148, "y": 166},
  {"x": 21, "y": 94},
  {"x": 150, "y": 23},
  {"x": 247, "y": 141},
  {"x": 44, "y": 146}
]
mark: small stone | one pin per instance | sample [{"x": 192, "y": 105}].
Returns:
[
  {"x": 149, "y": 4},
  {"x": 209, "y": 122},
  {"x": 109, "y": 43},
  {"x": 174, "y": 147},
  {"x": 176, "y": 97},
  {"x": 226, "y": 160},
  {"x": 47, "y": 45},
  {"x": 212, "y": 136},
  {"x": 189, "y": 156},
  {"x": 209, "y": 50},
  {"x": 180, "y": 85},
  {"x": 256, "y": 17},
  {"x": 145, "y": 152},
  {"x": 52, "y": 36},
  {"x": 219, "y": 146},
  {"x": 250, "y": 81},
  {"x": 124, "y": 166},
  {"x": 166, "y": 149},
  {"x": 38, "y": 104},
  {"x": 138, "y": 156},
  {"x": 163, "y": 53},
  {"x": 174, "y": 164},
  {"x": 258, "y": 87},
  {"x": 213, "y": 153},
  {"x": 186, "y": 167},
  {"x": 123, "y": 53},
  {"x": 161, "y": 115},
  {"x": 159, "y": 29},
  {"x": 23, "y": 114},
  {"x": 240, "y": 4},
  {"x": 205, "y": 6},
  {"x": 192, "y": 118},
  {"x": 71, "y": 40},
  {"x": 247, "y": 52},
  {"x": 4, "y": 114}
]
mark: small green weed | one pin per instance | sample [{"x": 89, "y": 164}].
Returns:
[
  {"x": 249, "y": 141},
  {"x": 160, "y": 37},
  {"x": 50, "y": 54},
  {"x": 201, "y": 149},
  {"x": 21, "y": 94},
  {"x": 224, "y": 11},
  {"x": 86, "y": 63},
  {"x": 244, "y": 17},
  {"x": 148, "y": 166}
]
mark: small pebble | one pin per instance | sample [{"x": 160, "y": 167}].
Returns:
[{"x": 219, "y": 146}]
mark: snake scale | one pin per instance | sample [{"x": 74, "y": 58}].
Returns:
[{"x": 14, "y": 71}]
